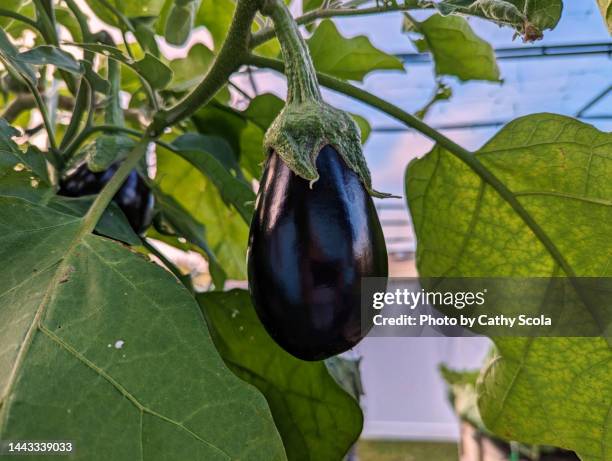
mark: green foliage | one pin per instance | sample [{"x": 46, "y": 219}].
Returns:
[
  {"x": 10, "y": 55},
  {"x": 109, "y": 10},
  {"x": 347, "y": 58},
  {"x": 180, "y": 21},
  {"x": 214, "y": 158},
  {"x": 455, "y": 48},
  {"x": 45, "y": 54},
  {"x": 216, "y": 16},
  {"x": 606, "y": 11},
  {"x": 225, "y": 230},
  {"x": 188, "y": 71},
  {"x": 29, "y": 160},
  {"x": 537, "y": 390},
  {"x": 65, "y": 18},
  {"x": 105, "y": 150},
  {"x": 71, "y": 347},
  {"x": 150, "y": 68},
  {"x": 308, "y": 5},
  {"x": 528, "y": 17},
  {"x": 462, "y": 395},
  {"x": 162, "y": 389},
  {"x": 187, "y": 227},
  {"x": 304, "y": 399},
  {"x": 11, "y": 5}
]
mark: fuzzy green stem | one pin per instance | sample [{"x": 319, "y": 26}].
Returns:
[
  {"x": 301, "y": 76},
  {"x": 464, "y": 155},
  {"x": 232, "y": 55}
]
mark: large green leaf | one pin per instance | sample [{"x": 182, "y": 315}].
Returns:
[
  {"x": 456, "y": 49},
  {"x": 606, "y": 11},
  {"x": 348, "y": 58},
  {"x": 315, "y": 417},
  {"x": 528, "y": 17},
  {"x": 554, "y": 391},
  {"x": 101, "y": 347},
  {"x": 226, "y": 230}
]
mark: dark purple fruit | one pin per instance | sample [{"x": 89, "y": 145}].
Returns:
[
  {"x": 134, "y": 197},
  {"x": 308, "y": 251}
]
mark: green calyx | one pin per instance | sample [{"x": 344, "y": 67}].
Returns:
[
  {"x": 302, "y": 129},
  {"x": 307, "y": 124}
]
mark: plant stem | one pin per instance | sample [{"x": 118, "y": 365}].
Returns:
[
  {"x": 46, "y": 21},
  {"x": 118, "y": 14},
  {"x": 115, "y": 129},
  {"x": 42, "y": 108},
  {"x": 85, "y": 94},
  {"x": 301, "y": 76},
  {"x": 231, "y": 56},
  {"x": 266, "y": 34},
  {"x": 19, "y": 17},
  {"x": 110, "y": 189},
  {"x": 80, "y": 103},
  {"x": 464, "y": 155},
  {"x": 113, "y": 112},
  {"x": 26, "y": 101},
  {"x": 81, "y": 19}
]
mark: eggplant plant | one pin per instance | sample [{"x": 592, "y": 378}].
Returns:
[{"x": 109, "y": 146}]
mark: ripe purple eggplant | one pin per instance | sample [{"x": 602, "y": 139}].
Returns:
[
  {"x": 309, "y": 248},
  {"x": 134, "y": 197}
]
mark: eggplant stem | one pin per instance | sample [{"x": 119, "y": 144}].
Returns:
[{"x": 302, "y": 82}]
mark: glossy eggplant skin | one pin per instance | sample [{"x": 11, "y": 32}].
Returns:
[
  {"x": 134, "y": 197},
  {"x": 308, "y": 250}
]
